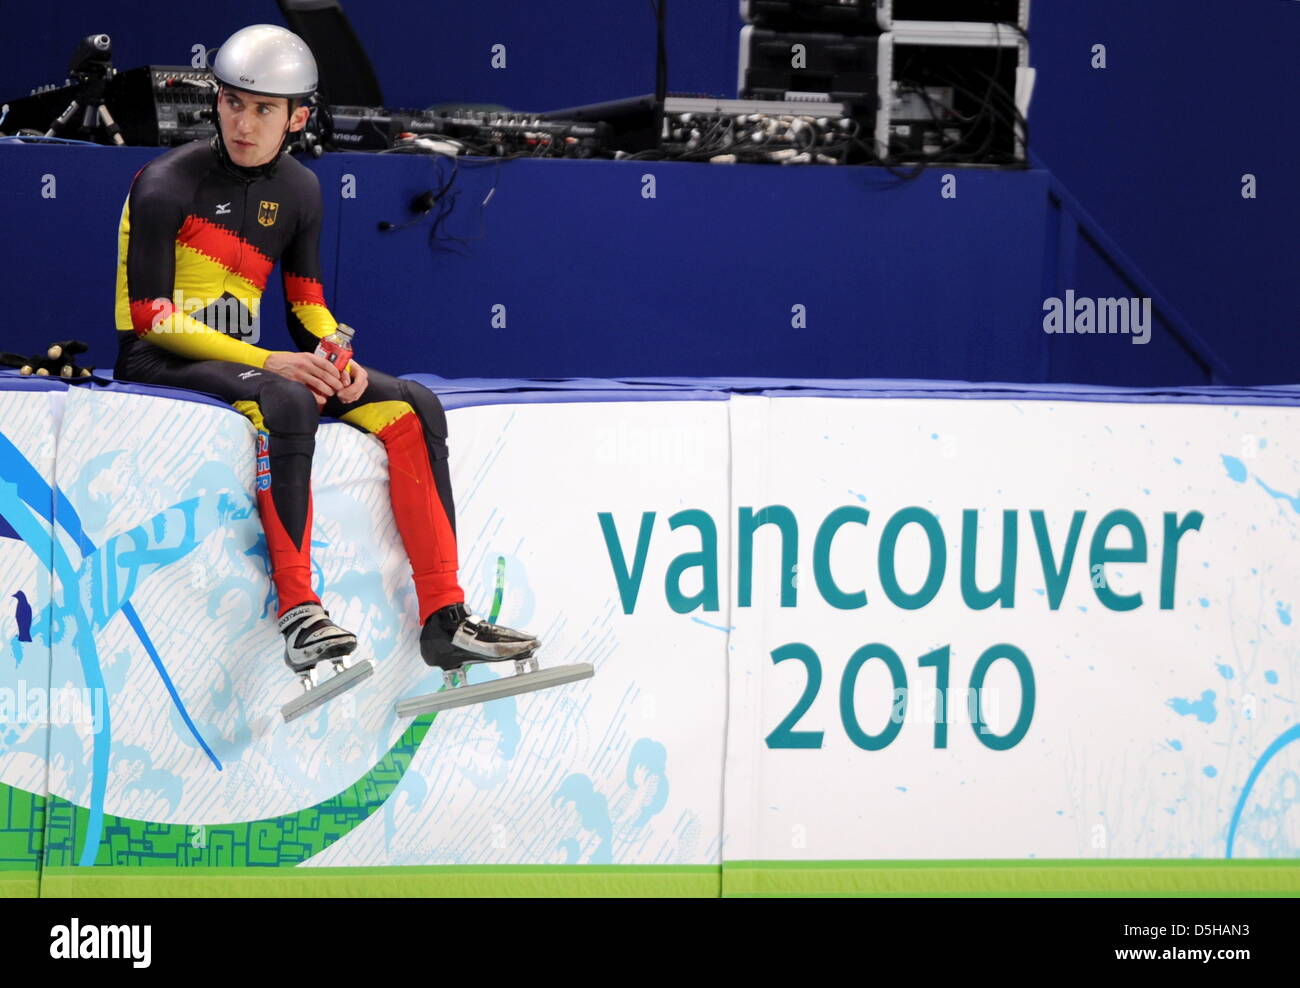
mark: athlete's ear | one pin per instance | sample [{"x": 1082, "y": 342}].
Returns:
[{"x": 299, "y": 118}]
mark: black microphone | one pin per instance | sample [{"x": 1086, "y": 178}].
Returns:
[{"x": 420, "y": 205}]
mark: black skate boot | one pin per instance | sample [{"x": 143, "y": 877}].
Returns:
[
  {"x": 310, "y": 640},
  {"x": 452, "y": 640}
]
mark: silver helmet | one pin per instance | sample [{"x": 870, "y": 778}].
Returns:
[{"x": 266, "y": 60}]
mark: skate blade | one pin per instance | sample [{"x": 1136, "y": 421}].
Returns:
[
  {"x": 463, "y": 696},
  {"x": 338, "y": 683}
]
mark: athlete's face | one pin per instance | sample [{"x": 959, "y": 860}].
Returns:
[{"x": 253, "y": 126}]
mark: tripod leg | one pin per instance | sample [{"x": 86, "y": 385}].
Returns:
[
  {"x": 63, "y": 119},
  {"x": 110, "y": 125}
]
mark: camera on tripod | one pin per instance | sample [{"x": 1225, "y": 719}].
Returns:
[{"x": 91, "y": 67}]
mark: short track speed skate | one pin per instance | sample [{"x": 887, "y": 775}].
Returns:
[
  {"x": 311, "y": 640},
  {"x": 452, "y": 640}
]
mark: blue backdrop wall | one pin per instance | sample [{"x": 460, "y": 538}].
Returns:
[{"x": 1195, "y": 95}]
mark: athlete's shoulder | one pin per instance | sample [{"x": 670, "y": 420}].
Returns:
[
  {"x": 174, "y": 174},
  {"x": 297, "y": 175},
  {"x": 187, "y": 160}
]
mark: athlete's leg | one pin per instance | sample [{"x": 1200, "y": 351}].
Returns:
[
  {"x": 410, "y": 421},
  {"x": 285, "y": 415}
]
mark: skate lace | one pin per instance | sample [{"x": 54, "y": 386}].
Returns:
[{"x": 483, "y": 630}]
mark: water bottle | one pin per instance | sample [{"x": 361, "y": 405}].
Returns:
[{"x": 337, "y": 347}]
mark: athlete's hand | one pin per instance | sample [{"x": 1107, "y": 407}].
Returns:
[
  {"x": 310, "y": 369},
  {"x": 354, "y": 384}
]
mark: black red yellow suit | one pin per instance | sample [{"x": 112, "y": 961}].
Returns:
[{"x": 198, "y": 239}]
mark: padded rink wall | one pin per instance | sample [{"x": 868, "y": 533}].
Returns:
[{"x": 884, "y": 638}]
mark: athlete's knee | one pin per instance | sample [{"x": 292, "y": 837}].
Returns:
[
  {"x": 288, "y": 406},
  {"x": 430, "y": 411}
]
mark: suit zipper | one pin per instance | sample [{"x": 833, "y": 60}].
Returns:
[{"x": 243, "y": 232}]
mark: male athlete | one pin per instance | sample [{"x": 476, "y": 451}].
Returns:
[{"x": 207, "y": 221}]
